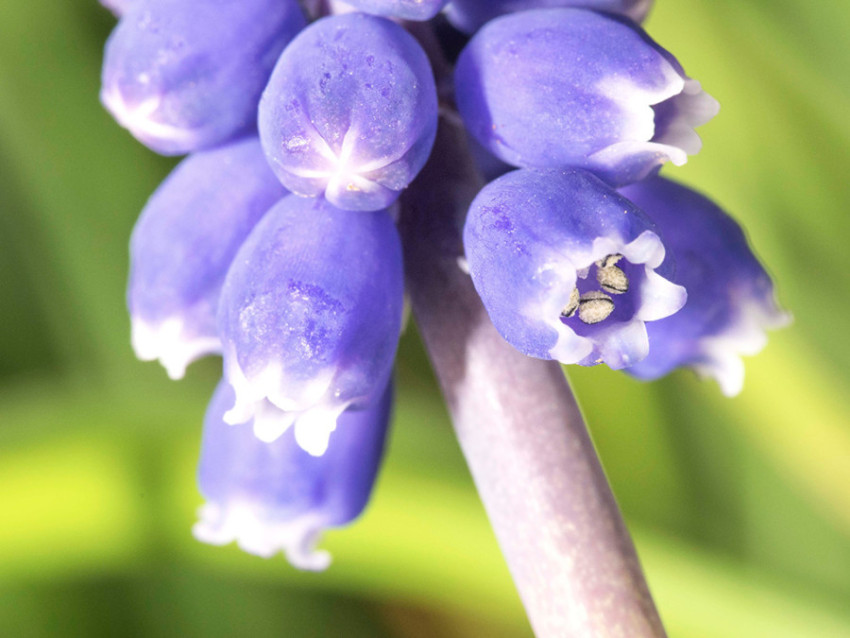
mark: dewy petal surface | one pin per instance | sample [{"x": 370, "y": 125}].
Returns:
[
  {"x": 558, "y": 88},
  {"x": 310, "y": 316},
  {"x": 731, "y": 300},
  {"x": 182, "y": 247},
  {"x": 184, "y": 76},
  {"x": 350, "y": 112},
  {"x": 271, "y": 497},
  {"x": 534, "y": 238}
]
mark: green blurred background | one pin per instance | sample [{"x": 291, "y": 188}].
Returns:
[{"x": 740, "y": 508}]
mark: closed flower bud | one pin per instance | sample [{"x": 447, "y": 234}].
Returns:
[
  {"x": 566, "y": 267},
  {"x": 350, "y": 112},
  {"x": 183, "y": 244},
  {"x": 272, "y": 497},
  {"x": 184, "y": 76},
  {"x": 731, "y": 300},
  {"x": 309, "y": 317},
  {"x": 559, "y": 88}
]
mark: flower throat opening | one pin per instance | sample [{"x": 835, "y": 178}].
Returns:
[{"x": 592, "y": 299}]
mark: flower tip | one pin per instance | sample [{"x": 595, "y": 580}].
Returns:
[
  {"x": 748, "y": 337},
  {"x": 660, "y": 297},
  {"x": 297, "y": 539},
  {"x": 270, "y": 423},
  {"x": 139, "y": 119},
  {"x": 675, "y": 128},
  {"x": 704, "y": 106},
  {"x": 725, "y": 367},
  {"x": 313, "y": 428},
  {"x": 169, "y": 342},
  {"x": 315, "y": 561}
]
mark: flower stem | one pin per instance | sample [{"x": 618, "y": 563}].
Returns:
[{"x": 520, "y": 429}]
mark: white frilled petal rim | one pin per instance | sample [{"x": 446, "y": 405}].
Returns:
[
  {"x": 625, "y": 343},
  {"x": 220, "y": 524},
  {"x": 692, "y": 106},
  {"x": 746, "y": 336},
  {"x": 659, "y": 297},
  {"x": 171, "y": 343},
  {"x": 275, "y": 403}
]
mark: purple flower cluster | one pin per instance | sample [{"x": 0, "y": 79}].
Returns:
[{"x": 274, "y": 242}]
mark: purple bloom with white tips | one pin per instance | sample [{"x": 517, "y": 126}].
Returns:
[
  {"x": 566, "y": 268},
  {"x": 271, "y": 497},
  {"x": 183, "y": 244},
  {"x": 401, "y": 9},
  {"x": 731, "y": 300},
  {"x": 350, "y": 112},
  {"x": 184, "y": 76},
  {"x": 309, "y": 317},
  {"x": 560, "y": 88},
  {"x": 470, "y": 15},
  {"x": 280, "y": 252}
]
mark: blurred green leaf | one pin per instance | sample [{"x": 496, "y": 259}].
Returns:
[{"x": 87, "y": 179}]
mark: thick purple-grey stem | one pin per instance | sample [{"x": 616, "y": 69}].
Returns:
[{"x": 521, "y": 431}]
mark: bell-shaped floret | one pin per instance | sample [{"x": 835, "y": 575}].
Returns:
[
  {"x": 310, "y": 316},
  {"x": 566, "y": 267},
  {"x": 184, "y": 76},
  {"x": 731, "y": 300},
  {"x": 183, "y": 244},
  {"x": 559, "y": 88},
  {"x": 350, "y": 112},
  {"x": 470, "y": 15},
  {"x": 401, "y": 9},
  {"x": 271, "y": 497}
]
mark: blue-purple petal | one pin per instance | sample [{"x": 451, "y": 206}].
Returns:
[
  {"x": 184, "y": 76},
  {"x": 350, "y": 112},
  {"x": 310, "y": 316},
  {"x": 558, "y": 88},
  {"x": 731, "y": 300},
  {"x": 274, "y": 496},
  {"x": 532, "y": 237},
  {"x": 183, "y": 244}
]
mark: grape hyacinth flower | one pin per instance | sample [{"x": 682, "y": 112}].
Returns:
[
  {"x": 184, "y": 76},
  {"x": 183, "y": 245},
  {"x": 566, "y": 268},
  {"x": 558, "y": 88},
  {"x": 275, "y": 244},
  {"x": 731, "y": 301},
  {"x": 309, "y": 318},
  {"x": 350, "y": 112},
  {"x": 275, "y": 496}
]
